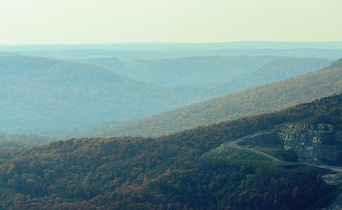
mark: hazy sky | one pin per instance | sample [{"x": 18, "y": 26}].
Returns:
[{"x": 117, "y": 21}]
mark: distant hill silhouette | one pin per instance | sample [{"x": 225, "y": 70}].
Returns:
[
  {"x": 266, "y": 98},
  {"x": 41, "y": 93},
  {"x": 57, "y": 97}
]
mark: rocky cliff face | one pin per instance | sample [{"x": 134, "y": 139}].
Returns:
[
  {"x": 317, "y": 144},
  {"x": 313, "y": 143}
]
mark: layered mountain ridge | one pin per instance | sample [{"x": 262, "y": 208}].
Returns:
[
  {"x": 266, "y": 98},
  {"x": 61, "y": 98}
]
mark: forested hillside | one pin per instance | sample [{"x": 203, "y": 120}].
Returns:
[
  {"x": 171, "y": 172},
  {"x": 212, "y": 76},
  {"x": 63, "y": 98},
  {"x": 337, "y": 64},
  {"x": 257, "y": 100}
]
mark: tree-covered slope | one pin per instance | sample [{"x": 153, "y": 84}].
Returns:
[
  {"x": 168, "y": 172},
  {"x": 336, "y": 64},
  {"x": 257, "y": 100},
  {"x": 212, "y": 76}
]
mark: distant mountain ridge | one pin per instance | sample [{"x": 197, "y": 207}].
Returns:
[
  {"x": 42, "y": 93},
  {"x": 257, "y": 100},
  {"x": 187, "y": 71},
  {"x": 48, "y": 96},
  {"x": 211, "y": 70}
]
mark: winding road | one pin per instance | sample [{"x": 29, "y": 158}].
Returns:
[{"x": 234, "y": 144}]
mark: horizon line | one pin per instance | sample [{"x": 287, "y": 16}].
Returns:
[{"x": 166, "y": 42}]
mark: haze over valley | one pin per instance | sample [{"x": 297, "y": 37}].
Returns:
[
  {"x": 171, "y": 104},
  {"x": 60, "y": 98},
  {"x": 183, "y": 107}
]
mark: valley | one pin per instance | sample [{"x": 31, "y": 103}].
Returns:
[
  {"x": 164, "y": 131},
  {"x": 170, "y": 105},
  {"x": 63, "y": 98},
  {"x": 258, "y": 100}
]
